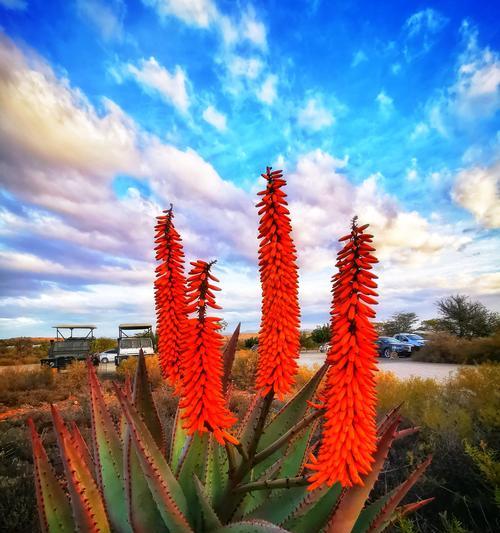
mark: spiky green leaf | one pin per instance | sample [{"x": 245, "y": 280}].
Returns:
[
  {"x": 210, "y": 520},
  {"x": 313, "y": 510},
  {"x": 165, "y": 488},
  {"x": 216, "y": 472},
  {"x": 86, "y": 500},
  {"x": 54, "y": 508},
  {"x": 108, "y": 457},
  {"x": 144, "y": 403},
  {"x": 251, "y": 526}
]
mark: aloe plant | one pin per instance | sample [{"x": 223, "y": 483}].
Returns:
[
  {"x": 127, "y": 479},
  {"x": 311, "y": 466}
]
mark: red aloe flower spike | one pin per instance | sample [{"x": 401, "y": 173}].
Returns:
[
  {"x": 170, "y": 297},
  {"x": 279, "y": 336},
  {"x": 349, "y": 432},
  {"x": 202, "y": 403}
]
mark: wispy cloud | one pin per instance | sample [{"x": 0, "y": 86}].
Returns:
[
  {"x": 385, "y": 102},
  {"x": 268, "y": 92},
  {"x": 358, "y": 58},
  {"x": 107, "y": 17},
  {"x": 215, "y": 118},
  {"x": 314, "y": 116},
  {"x": 199, "y": 13},
  {"x": 154, "y": 77}
]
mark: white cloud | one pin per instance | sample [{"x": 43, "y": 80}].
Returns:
[
  {"x": 106, "y": 17},
  {"x": 412, "y": 170},
  {"x": 267, "y": 92},
  {"x": 474, "y": 94},
  {"x": 314, "y": 116},
  {"x": 215, "y": 118},
  {"x": 427, "y": 20},
  {"x": 385, "y": 102},
  {"x": 247, "y": 67},
  {"x": 358, "y": 58},
  {"x": 17, "y": 5},
  {"x": 477, "y": 189},
  {"x": 205, "y": 14},
  {"x": 171, "y": 86},
  {"x": 420, "y": 130},
  {"x": 253, "y": 30},
  {"x": 193, "y": 12}
]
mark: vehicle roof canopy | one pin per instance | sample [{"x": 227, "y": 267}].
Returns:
[
  {"x": 135, "y": 326},
  {"x": 74, "y": 326}
]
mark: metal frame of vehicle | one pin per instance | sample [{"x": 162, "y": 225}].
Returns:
[
  {"x": 133, "y": 351},
  {"x": 65, "y": 349}
]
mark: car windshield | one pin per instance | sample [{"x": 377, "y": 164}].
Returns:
[
  {"x": 389, "y": 339},
  {"x": 415, "y": 337}
]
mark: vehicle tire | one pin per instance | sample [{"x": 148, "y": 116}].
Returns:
[
  {"x": 387, "y": 353},
  {"x": 52, "y": 364},
  {"x": 104, "y": 360}
]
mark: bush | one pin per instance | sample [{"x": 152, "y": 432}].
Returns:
[
  {"x": 460, "y": 421},
  {"x": 250, "y": 342},
  {"x": 34, "y": 387},
  {"x": 244, "y": 370},
  {"x": 446, "y": 348},
  {"x": 128, "y": 367}
]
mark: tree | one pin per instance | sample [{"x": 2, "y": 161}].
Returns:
[
  {"x": 467, "y": 318},
  {"x": 251, "y": 342},
  {"x": 433, "y": 324},
  {"x": 321, "y": 334},
  {"x": 306, "y": 341},
  {"x": 400, "y": 323}
]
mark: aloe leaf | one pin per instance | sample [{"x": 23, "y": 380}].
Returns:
[
  {"x": 108, "y": 456},
  {"x": 285, "y": 420},
  {"x": 83, "y": 447},
  {"x": 296, "y": 452},
  {"x": 144, "y": 403},
  {"x": 384, "y": 516},
  {"x": 278, "y": 504},
  {"x": 89, "y": 512},
  {"x": 178, "y": 442},
  {"x": 216, "y": 472},
  {"x": 403, "y": 510},
  {"x": 291, "y": 412},
  {"x": 228, "y": 357},
  {"x": 210, "y": 519},
  {"x": 193, "y": 462},
  {"x": 165, "y": 489},
  {"x": 354, "y": 499},
  {"x": 54, "y": 508},
  {"x": 313, "y": 510},
  {"x": 246, "y": 429},
  {"x": 252, "y": 526},
  {"x": 254, "y": 499},
  {"x": 142, "y": 509}
]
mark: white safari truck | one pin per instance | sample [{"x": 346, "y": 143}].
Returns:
[{"x": 131, "y": 339}]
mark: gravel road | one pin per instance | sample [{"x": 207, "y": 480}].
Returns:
[{"x": 403, "y": 368}]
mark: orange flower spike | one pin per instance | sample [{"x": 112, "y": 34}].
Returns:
[
  {"x": 349, "y": 431},
  {"x": 203, "y": 405},
  {"x": 170, "y": 298},
  {"x": 279, "y": 336}
]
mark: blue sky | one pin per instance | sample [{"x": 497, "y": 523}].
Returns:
[{"x": 111, "y": 110}]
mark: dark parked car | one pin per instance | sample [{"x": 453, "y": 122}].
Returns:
[
  {"x": 417, "y": 341},
  {"x": 389, "y": 347}
]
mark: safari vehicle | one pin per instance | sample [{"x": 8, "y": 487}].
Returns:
[
  {"x": 131, "y": 339},
  {"x": 68, "y": 347}
]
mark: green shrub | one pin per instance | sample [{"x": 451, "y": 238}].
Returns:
[{"x": 447, "y": 348}]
